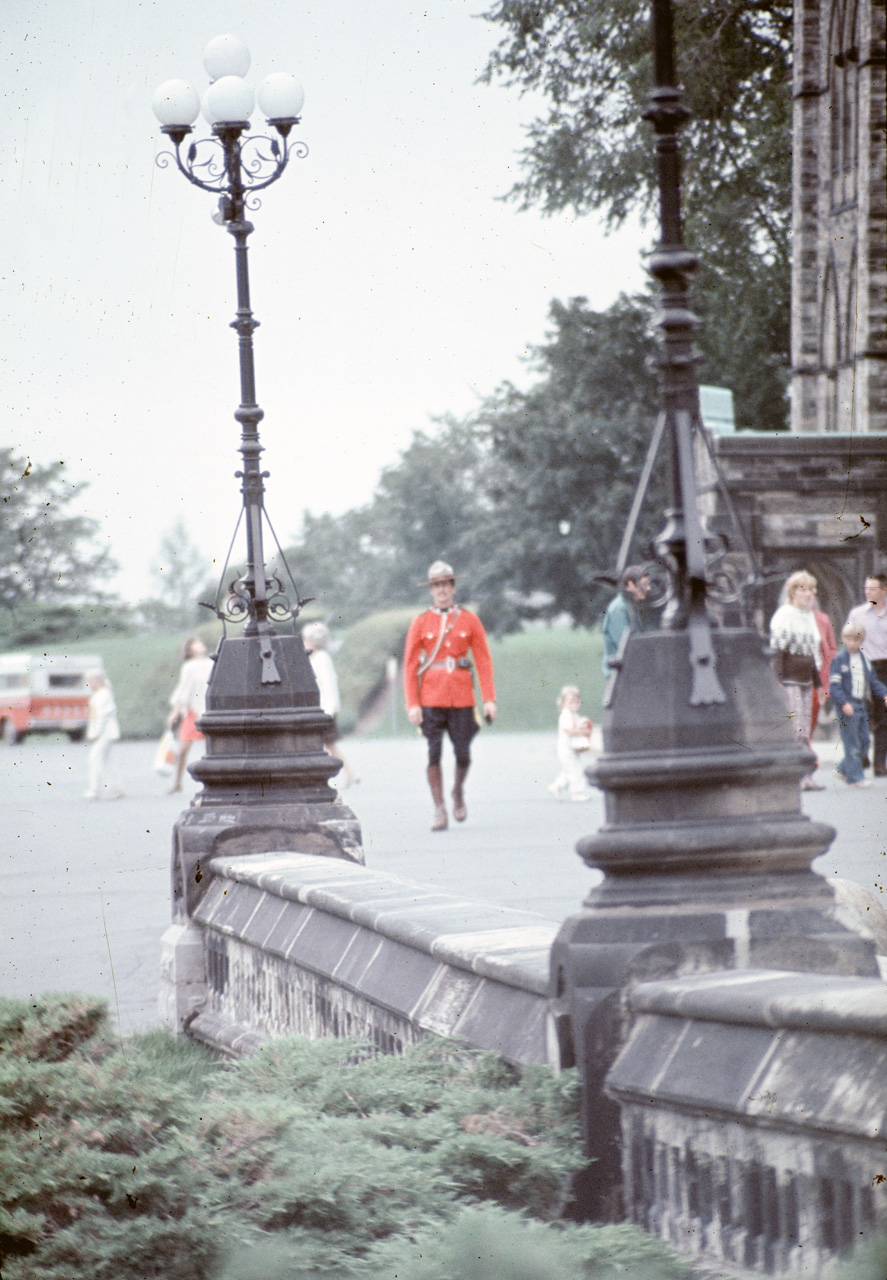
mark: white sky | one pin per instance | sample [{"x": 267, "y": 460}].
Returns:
[{"x": 390, "y": 283}]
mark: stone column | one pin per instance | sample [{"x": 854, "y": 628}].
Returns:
[{"x": 805, "y": 326}]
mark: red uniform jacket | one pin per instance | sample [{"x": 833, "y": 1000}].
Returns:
[{"x": 439, "y": 687}]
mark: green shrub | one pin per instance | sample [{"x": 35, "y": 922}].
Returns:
[
  {"x": 309, "y": 1161},
  {"x": 152, "y": 1159},
  {"x": 490, "y": 1243},
  {"x": 98, "y": 1169}
]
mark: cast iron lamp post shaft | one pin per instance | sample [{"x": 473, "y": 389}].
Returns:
[
  {"x": 249, "y": 415},
  {"x": 705, "y": 853},
  {"x": 265, "y": 773},
  {"x": 682, "y": 540},
  {"x": 235, "y": 178},
  {"x": 247, "y": 164}
]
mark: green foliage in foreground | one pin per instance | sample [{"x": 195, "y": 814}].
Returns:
[
  {"x": 151, "y": 1158},
  {"x": 479, "y": 1243}
]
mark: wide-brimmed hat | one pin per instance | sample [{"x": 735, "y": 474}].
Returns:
[{"x": 440, "y": 571}]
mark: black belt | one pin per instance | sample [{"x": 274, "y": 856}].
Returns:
[{"x": 450, "y": 664}]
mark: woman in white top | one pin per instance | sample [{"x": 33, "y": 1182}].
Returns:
[
  {"x": 316, "y": 638},
  {"x": 188, "y": 702},
  {"x": 796, "y": 645}
]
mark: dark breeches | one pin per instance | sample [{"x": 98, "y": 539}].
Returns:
[{"x": 459, "y": 723}]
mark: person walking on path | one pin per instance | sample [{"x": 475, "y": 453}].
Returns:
[
  {"x": 188, "y": 702},
  {"x": 623, "y": 613},
  {"x": 439, "y": 688},
  {"x": 852, "y": 679},
  {"x": 102, "y": 731},
  {"x": 872, "y": 616},
  {"x": 572, "y": 746},
  {"x": 829, "y": 647},
  {"x": 316, "y": 639},
  {"x": 797, "y": 655}
]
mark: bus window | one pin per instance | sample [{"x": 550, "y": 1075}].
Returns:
[
  {"x": 59, "y": 681},
  {"x": 19, "y": 680}
]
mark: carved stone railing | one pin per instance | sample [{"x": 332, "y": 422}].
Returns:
[
  {"x": 754, "y": 1115},
  {"x": 297, "y": 944}
]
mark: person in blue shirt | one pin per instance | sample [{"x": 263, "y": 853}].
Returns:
[
  {"x": 622, "y": 612},
  {"x": 851, "y": 679}
]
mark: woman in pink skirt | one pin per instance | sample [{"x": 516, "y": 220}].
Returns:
[{"x": 188, "y": 702}]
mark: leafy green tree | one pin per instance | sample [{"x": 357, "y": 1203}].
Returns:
[
  {"x": 183, "y": 578},
  {"x": 52, "y": 575},
  {"x": 564, "y": 461},
  {"x": 591, "y": 151},
  {"x": 334, "y": 562},
  {"x": 434, "y": 503},
  {"x": 527, "y": 500},
  {"x": 429, "y": 505}
]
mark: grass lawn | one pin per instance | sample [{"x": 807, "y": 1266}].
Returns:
[{"x": 531, "y": 667}]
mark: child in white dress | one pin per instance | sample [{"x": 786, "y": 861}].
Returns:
[{"x": 572, "y": 745}]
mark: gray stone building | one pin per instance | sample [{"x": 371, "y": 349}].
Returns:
[
  {"x": 839, "y": 285},
  {"x": 817, "y": 496}
]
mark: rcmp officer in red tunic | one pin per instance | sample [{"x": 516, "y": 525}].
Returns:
[{"x": 439, "y": 685}]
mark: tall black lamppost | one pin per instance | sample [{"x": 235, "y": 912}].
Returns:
[
  {"x": 705, "y": 851},
  {"x": 265, "y": 774}
]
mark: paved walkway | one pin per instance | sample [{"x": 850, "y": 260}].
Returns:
[{"x": 84, "y": 888}]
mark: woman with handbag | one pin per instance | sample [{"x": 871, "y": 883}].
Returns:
[
  {"x": 796, "y": 646},
  {"x": 573, "y": 742}
]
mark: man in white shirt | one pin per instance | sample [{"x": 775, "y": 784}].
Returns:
[{"x": 873, "y": 616}]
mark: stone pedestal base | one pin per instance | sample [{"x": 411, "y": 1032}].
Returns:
[{"x": 182, "y": 977}]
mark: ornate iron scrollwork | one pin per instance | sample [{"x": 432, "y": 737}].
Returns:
[{"x": 209, "y": 162}]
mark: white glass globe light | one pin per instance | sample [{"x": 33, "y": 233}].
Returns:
[
  {"x": 228, "y": 101},
  {"x": 226, "y": 56},
  {"x": 175, "y": 102},
  {"x": 280, "y": 96}
]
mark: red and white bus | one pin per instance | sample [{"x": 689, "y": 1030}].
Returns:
[{"x": 45, "y": 694}]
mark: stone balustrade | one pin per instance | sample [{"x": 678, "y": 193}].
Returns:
[
  {"x": 754, "y": 1115},
  {"x": 300, "y": 944}
]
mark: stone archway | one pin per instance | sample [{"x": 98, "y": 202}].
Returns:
[{"x": 837, "y": 590}]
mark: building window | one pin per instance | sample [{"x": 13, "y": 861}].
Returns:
[
  {"x": 843, "y": 100},
  {"x": 830, "y": 345}
]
